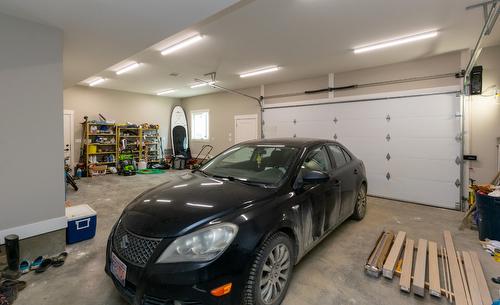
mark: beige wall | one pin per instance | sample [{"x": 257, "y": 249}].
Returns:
[
  {"x": 223, "y": 107},
  {"x": 119, "y": 106},
  {"x": 485, "y": 119}
]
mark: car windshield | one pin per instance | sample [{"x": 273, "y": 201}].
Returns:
[{"x": 263, "y": 164}]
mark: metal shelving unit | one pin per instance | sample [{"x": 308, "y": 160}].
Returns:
[
  {"x": 100, "y": 145},
  {"x": 151, "y": 145}
]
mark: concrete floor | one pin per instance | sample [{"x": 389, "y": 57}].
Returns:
[{"x": 332, "y": 273}]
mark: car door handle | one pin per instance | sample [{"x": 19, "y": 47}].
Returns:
[{"x": 356, "y": 171}]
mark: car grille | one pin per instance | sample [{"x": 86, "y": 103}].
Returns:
[{"x": 133, "y": 248}]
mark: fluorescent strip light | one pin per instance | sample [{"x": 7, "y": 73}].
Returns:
[
  {"x": 395, "y": 42},
  {"x": 165, "y": 92},
  {"x": 260, "y": 71},
  {"x": 202, "y": 85},
  {"x": 128, "y": 68},
  {"x": 181, "y": 44},
  {"x": 96, "y": 81}
]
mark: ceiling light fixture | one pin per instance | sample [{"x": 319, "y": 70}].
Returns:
[
  {"x": 128, "y": 68},
  {"x": 165, "y": 92},
  {"x": 96, "y": 81},
  {"x": 182, "y": 44},
  {"x": 260, "y": 71},
  {"x": 395, "y": 42},
  {"x": 202, "y": 85}
]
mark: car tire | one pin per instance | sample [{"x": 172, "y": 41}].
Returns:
[
  {"x": 361, "y": 203},
  {"x": 268, "y": 283}
]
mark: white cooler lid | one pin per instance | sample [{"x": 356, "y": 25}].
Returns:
[{"x": 79, "y": 211}]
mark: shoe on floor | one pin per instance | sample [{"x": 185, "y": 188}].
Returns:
[
  {"x": 36, "y": 263},
  {"x": 59, "y": 260},
  {"x": 46, "y": 263},
  {"x": 24, "y": 267}
]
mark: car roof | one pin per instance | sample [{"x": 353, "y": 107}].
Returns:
[{"x": 291, "y": 142}]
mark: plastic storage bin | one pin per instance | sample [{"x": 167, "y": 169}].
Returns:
[
  {"x": 489, "y": 216},
  {"x": 82, "y": 222}
]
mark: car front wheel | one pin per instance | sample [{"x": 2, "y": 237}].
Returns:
[{"x": 271, "y": 271}]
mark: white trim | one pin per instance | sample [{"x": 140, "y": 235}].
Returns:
[
  {"x": 71, "y": 136},
  {"x": 245, "y": 117},
  {"x": 208, "y": 125},
  {"x": 34, "y": 229},
  {"x": 366, "y": 97}
]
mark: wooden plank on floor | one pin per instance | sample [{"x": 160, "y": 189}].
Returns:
[
  {"x": 420, "y": 268},
  {"x": 405, "y": 280},
  {"x": 471, "y": 279},
  {"x": 443, "y": 267},
  {"x": 456, "y": 279},
  {"x": 434, "y": 280},
  {"x": 394, "y": 254},
  {"x": 481, "y": 280},
  {"x": 464, "y": 279}
]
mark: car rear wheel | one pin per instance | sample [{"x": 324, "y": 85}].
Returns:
[
  {"x": 271, "y": 271},
  {"x": 360, "y": 208}
]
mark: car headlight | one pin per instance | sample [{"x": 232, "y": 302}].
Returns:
[{"x": 200, "y": 246}]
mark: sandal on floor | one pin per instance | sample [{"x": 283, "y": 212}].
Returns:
[
  {"x": 46, "y": 263},
  {"x": 8, "y": 294},
  {"x": 19, "y": 285},
  {"x": 36, "y": 263},
  {"x": 3, "y": 300},
  {"x": 59, "y": 260},
  {"x": 24, "y": 266}
]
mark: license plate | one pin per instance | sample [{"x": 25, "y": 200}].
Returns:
[{"x": 118, "y": 269}]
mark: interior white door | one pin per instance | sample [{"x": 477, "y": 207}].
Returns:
[
  {"x": 68, "y": 137},
  {"x": 408, "y": 144},
  {"x": 245, "y": 128}
]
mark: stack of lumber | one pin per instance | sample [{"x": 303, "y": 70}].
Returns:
[{"x": 442, "y": 270}]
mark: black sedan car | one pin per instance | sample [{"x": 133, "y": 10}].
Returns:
[{"x": 232, "y": 231}]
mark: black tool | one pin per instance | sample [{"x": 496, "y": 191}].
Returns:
[{"x": 496, "y": 280}]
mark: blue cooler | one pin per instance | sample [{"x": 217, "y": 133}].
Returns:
[{"x": 82, "y": 222}]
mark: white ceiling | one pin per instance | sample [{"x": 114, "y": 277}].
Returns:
[
  {"x": 100, "y": 33},
  {"x": 306, "y": 38}
]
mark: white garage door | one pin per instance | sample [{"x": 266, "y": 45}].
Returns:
[{"x": 408, "y": 144}]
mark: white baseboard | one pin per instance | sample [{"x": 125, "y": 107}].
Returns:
[{"x": 34, "y": 229}]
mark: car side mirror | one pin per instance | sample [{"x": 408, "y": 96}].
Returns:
[{"x": 314, "y": 177}]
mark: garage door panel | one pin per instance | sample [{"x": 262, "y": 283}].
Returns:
[
  {"x": 278, "y": 130},
  {"x": 314, "y": 129},
  {"x": 433, "y": 105},
  {"x": 422, "y": 143},
  {"x": 431, "y": 148},
  {"x": 402, "y": 189},
  {"x": 425, "y": 169},
  {"x": 361, "y": 110},
  {"x": 424, "y": 127},
  {"x": 377, "y": 185},
  {"x": 371, "y": 127}
]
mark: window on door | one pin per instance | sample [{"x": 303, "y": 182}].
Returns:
[
  {"x": 317, "y": 160},
  {"x": 199, "y": 125},
  {"x": 338, "y": 155}
]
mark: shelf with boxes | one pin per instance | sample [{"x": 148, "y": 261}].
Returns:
[
  {"x": 105, "y": 144},
  {"x": 100, "y": 147}
]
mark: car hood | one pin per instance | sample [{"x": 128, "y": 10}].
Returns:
[{"x": 187, "y": 202}]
